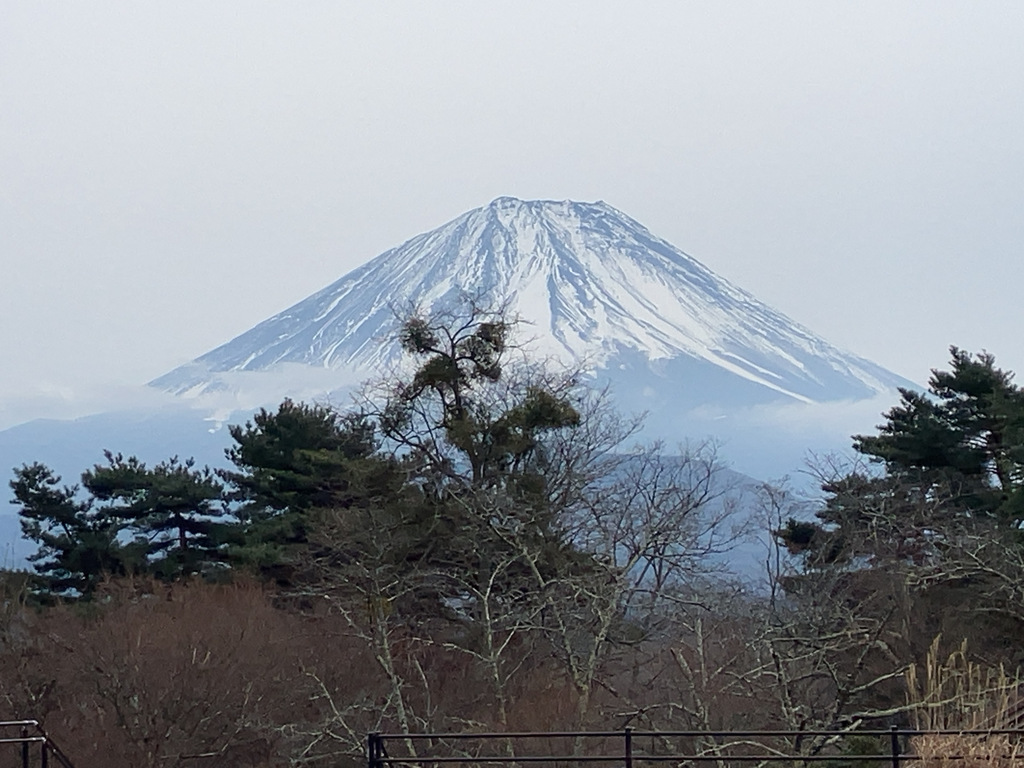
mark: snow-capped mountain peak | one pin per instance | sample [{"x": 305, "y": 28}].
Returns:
[{"x": 591, "y": 283}]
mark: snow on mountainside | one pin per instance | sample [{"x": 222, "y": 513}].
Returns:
[{"x": 592, "y": 283}]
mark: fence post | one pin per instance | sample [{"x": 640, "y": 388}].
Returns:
[
  {"x": 44, "y": 754},
  {"x": 24, "y": 747},
  {"x": 894, "y": 743},
  {"x": 373, "y": 750},
  {"x": 629, "y": 747}
]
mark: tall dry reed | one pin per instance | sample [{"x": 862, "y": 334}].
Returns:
[{"x": 958, "y": 695}]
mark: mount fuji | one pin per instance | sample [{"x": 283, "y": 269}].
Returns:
[
  {"x": 591, "y": 284},
  {"x": 592, "y": 287}
]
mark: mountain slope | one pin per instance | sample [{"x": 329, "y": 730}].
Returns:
[{"x": 592, "y": 283}]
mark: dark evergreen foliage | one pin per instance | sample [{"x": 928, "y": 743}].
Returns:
[
  {"x": 78, "y": 544},
  {"x": 952, "y": 455},
  {"x": 967, "y": 433},
  {"x": 292, "y": 464},
  {"x": 288, "y": 460},
  {"x": 174, "y": 512}
]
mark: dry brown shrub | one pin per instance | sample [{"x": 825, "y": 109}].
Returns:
[
  {"x": 180, "y": 673},
  {"x": 195, "y": 674},
  {"x": 154, "y": 674}
]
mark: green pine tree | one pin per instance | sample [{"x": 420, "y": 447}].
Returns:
[
  {"x": 290, "y": 466},
  {"x": 174, "y": 510},
  {"x": 78, "y": 543}
]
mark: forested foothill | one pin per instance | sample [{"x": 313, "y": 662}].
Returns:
[{"x": 479, "y": 544}]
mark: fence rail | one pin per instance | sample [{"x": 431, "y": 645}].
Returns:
[
  {"x": 35, "y": 746},
  {"x": 630, "y": 747}
]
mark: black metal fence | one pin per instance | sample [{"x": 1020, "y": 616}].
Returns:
[
  {"x": 629, "y": 748},
  {"x": 31, "y": 746}
]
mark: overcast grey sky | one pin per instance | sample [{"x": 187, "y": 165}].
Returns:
[{"x": 173, "y": 173}]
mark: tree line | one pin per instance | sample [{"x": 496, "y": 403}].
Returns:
[
  {"x": 485, "y": 545},
  {"x": 454, "y": 468}
]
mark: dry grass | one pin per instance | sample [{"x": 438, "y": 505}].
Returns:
[
  {"x": 957, "y": 694},
  {"x": 966, "y": 751}
]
